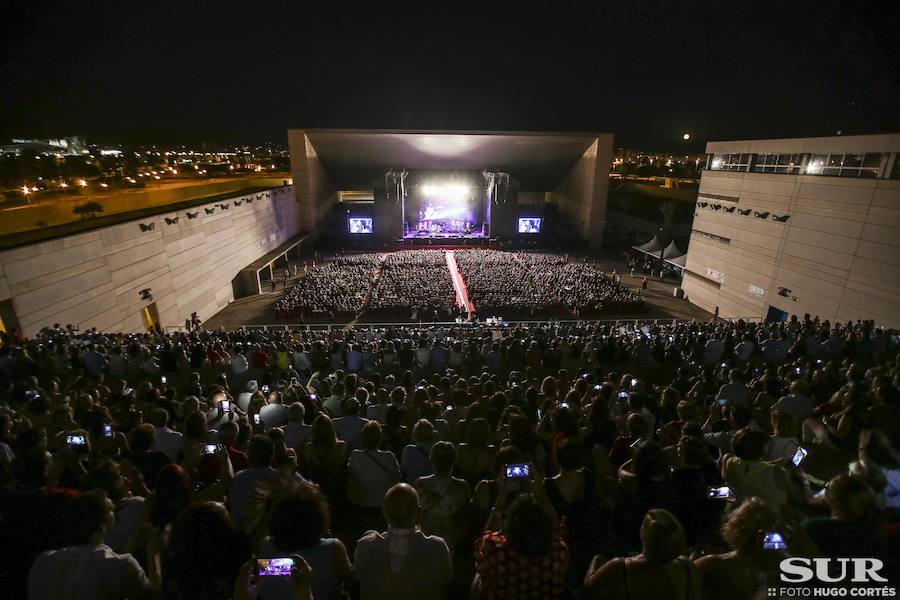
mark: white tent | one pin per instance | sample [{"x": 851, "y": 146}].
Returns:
[
  {"x": 652, "y": 247},
  {"x": 674, "y": 256},
  {"x": 678, "y": 261},
  {"x": 672, "y": 251}
]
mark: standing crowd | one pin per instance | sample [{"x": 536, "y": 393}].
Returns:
[
  {"x": 416, "y": 284},
  {"x": 569, "y": 460},
  {"x": 533, "y": 283}
]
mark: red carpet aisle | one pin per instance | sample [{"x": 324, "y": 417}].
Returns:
[{"x": 459, "y": 284}]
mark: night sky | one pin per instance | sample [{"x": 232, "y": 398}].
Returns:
[{"x": 137, "y": 71}]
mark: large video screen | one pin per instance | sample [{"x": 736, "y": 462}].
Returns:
[
  {"x": 360, "y": 225},
  {"x": 530, "y": 225}
]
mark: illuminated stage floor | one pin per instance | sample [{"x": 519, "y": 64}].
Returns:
[{"x": 441, "y": 236}]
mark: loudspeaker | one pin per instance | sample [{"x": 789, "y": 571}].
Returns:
[{"x": 387, "y": 214}]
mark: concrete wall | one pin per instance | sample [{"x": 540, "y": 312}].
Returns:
[
  {"x": 582, "y": 195},
  {"x": 312, "y": 186},
  {"x": 838, "y": 254},
  {"x": 93, "y": 279}
]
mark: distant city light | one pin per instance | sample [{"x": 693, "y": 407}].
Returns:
[
  {"x": 104, "y": 185},
  {"x": 25, "y": 190},
  {"x": 82, "y": 183},
  {"x": 64, "y": 185},
  {"x": 686, "y": 136}
]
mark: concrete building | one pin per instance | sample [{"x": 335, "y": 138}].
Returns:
[
  {"x": 794, "y": 226},
  {"x": 146, "y": 269}
]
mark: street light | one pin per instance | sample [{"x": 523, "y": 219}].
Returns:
[{"x": 686, "y": 137}]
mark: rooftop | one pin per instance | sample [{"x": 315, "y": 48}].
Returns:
[{"x": 354, "y": 159}]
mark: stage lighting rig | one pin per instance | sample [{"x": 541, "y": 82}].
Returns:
[
  {"x": 395, "y": 184},
  {"x": 497, "y": 183}
]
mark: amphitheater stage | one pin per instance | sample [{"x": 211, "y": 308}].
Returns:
[{"x": 418, "y": 240}]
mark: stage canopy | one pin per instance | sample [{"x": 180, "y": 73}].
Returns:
[{"x": 354, "y": 159}]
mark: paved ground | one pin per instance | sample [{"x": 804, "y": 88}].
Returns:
[{"x": 661, "y": 304}]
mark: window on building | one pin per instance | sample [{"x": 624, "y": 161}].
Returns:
[
  {"x": 851, "y": 164},
  {"x": 815, "y": 164},
  {"x": 895, "y": 173},
  {"x": 777, "y": 163},
  {"x": 730, "y": 162}
]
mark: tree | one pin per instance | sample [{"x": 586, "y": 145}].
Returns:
[
  {"x": 88, "y": 209},
  {"x": 668, "y": 210}
]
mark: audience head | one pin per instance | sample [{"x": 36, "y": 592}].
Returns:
[
  {"x": 528, "y": 527},
  {"x": 662, "y": 536},
  {"x": 299, "y": 518},
  {"x": 370, "y": 435},
  {"x": 443, "y": 458},
  {"x": 401, "y": 506}
]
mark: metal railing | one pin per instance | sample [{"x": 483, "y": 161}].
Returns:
[{"x": 531, "y": 323}]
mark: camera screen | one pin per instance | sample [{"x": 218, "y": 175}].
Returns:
[
  {"x": 225, "y": 405},
  {"x": 265, "y": 389},
  {"x": 799, "y": 455},
  {"x": 75, "y": 440},
  {"x": 623, "y": 395},
  {"x": 720, "y": 492},
  {"x": 774, "y": 541},
  {"x": 210, "y": 449},
  {"x": 517, "y": 471},
  {"x": 163, "y": 379},
  {"x": 257, "y": 419},
  {"x": 107, "y": 431},
  {"x": 274, "y": 567}
]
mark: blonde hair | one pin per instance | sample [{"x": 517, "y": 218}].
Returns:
[{"x": 662, "y": 536}]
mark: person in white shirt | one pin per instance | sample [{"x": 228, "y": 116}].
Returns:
[
  {"x": 402, "y": 562},
  {"x": 349, "y": 427},
  {"x": 273, "y": 413},
  {"x": 797, "y": 403},
  {"x": 239, "y": 364},
  {"x": 371, "y": 472},
  {"x": 735, "y": 391},
  {"x": 243, "y": 399},
  {"x": 169, "y": 442},
  {"x": 415, "y": 461},
  {"x": 296, "y": 432},
  {"x": 744, "y": 350},
  {"x": 86, "y": 567}
]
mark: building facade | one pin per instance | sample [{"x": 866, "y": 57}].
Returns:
[
  {"x": 796, "y": 226},
  {"x": 157, "y": 269}
]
